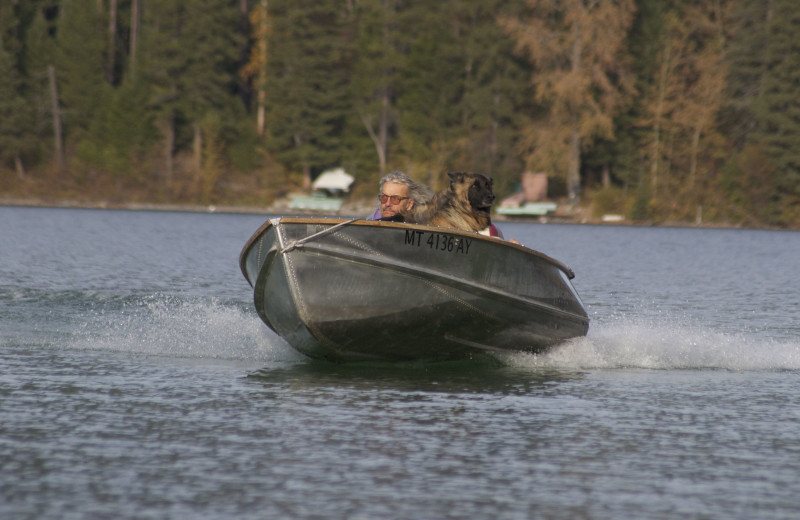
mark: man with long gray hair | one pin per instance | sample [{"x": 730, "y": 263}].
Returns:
[{"x": 398, "y": 193}]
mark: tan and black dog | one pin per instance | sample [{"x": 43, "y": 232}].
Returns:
[{"x": 464, "y": 204}]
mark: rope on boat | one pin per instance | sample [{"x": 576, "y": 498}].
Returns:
[{"x": 299, "y": 243}]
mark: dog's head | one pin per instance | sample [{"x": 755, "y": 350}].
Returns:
[{"x": 474, "y": 188}]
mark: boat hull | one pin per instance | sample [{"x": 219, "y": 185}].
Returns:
[{"x": 365, "y": 290}]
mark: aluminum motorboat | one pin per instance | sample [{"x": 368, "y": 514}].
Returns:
[{"x": 353, "y": 289}]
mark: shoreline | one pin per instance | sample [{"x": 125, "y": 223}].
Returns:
[
  {"x": 278, "y": 208},
  {"x": 352, "y": 209}
]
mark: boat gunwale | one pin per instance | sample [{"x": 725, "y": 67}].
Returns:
[{"x": 399, "y": 225}]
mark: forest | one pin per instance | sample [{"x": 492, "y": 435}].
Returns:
[{"x": 659, "y": 110}]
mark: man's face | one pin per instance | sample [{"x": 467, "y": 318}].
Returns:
[{"x": 389, "y": 208}]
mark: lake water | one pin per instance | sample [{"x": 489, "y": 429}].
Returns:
[{"x": 137, "y": 381}]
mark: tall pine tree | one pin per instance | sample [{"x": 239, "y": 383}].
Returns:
[
  {"x": 15, "y": 117},
  {"x": 307, "y": 85},
  {"x": 494, "y": 89},
  {"x": 373, "y": 86},
  {"x": 777, "y": 109},
  {"x": 79, "y": 63},
  {"x": 39, "y": 56},
  {"x": 189, "y": 51}
]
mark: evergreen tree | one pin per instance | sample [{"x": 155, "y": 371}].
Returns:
[
  {"x": 777, "y": 109},
  {"x": 307, "y": 89},
  {"x": 459, "y": 90},
  {"x": 747, "y": 62},
  {"x": 10, "y": 82},
  {"x": 190, "y": 51},
  {"x": 209, "y": 94},
  {"x": 161, "y": 62},
  {"x": 39, "y": 55},
  {"x": 495, "y": 92},
  {"x": 748, "y": 179},
  {"x": 10, "y": 31},
  {"x": 15, "y": 127},
  {"x": 430, "y": 86},
  {"x": 373, "y": 86},
  {"x": 119, "y": 135},
  {"x": 79, "y": 63}
]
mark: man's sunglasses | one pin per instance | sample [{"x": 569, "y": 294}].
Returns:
[{"x": 394, "y": 198}]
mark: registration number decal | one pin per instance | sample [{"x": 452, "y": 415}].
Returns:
[{"x": 438, "y": 241}]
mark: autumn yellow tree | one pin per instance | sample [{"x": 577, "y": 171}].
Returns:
[
  {"x": 580, "y": 79},
  {"x": 255, "y": 69}
]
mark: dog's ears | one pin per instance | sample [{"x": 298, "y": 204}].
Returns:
[
  {"x": 455, "y": 176},
  {"x": 458, "y": 176}
]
